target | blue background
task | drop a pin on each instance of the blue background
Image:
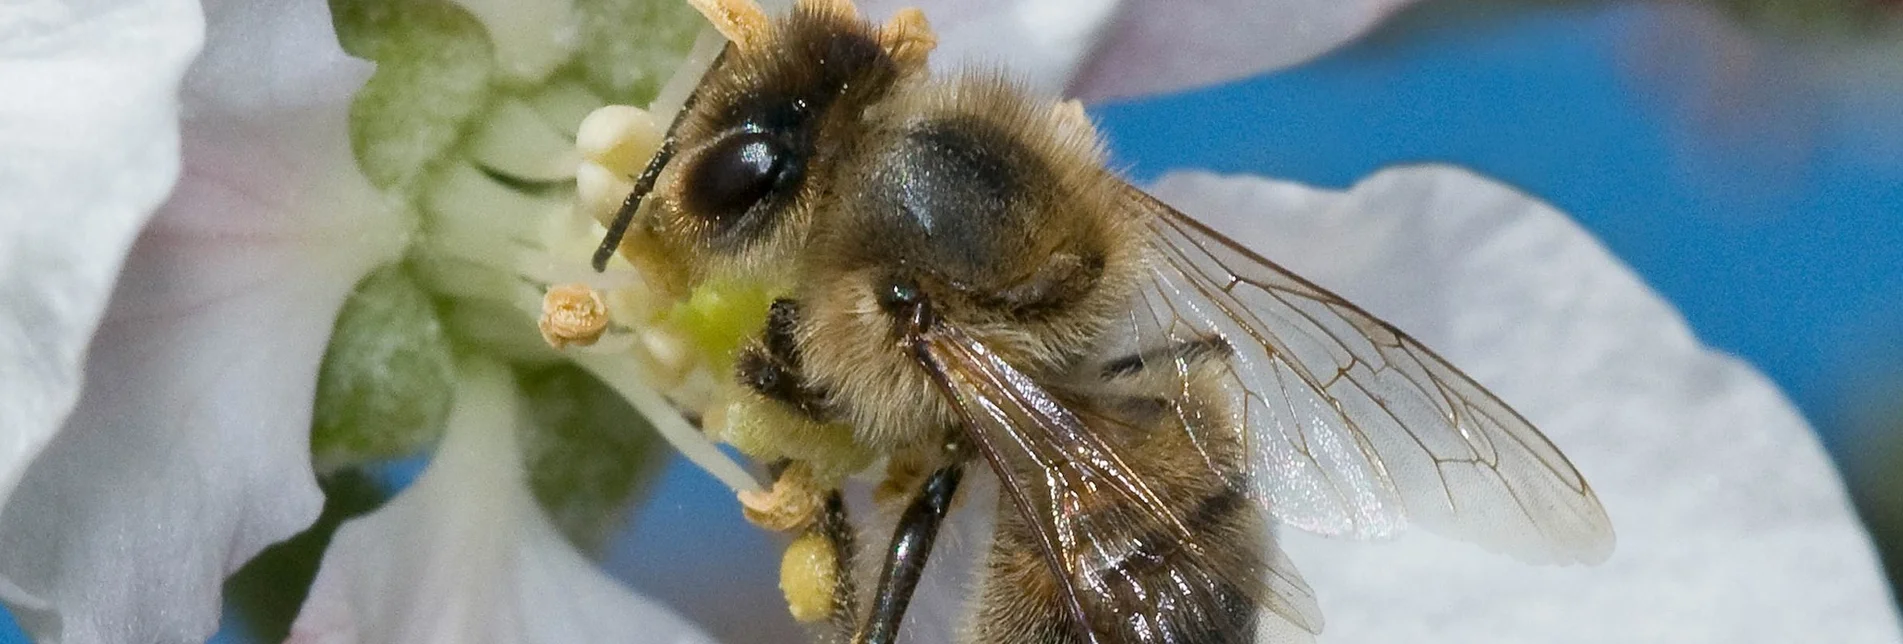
(1779, 236)
(1781, 242)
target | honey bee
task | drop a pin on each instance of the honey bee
(957, 278)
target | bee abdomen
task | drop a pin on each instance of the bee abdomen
(1163, 589)
(1149, 588)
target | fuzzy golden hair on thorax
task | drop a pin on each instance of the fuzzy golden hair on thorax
(1038, 281)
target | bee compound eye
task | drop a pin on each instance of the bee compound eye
(736, 173)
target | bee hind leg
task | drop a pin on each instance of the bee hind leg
(905, 558)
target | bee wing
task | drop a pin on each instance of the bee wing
(1092, 515)
(1353, 427)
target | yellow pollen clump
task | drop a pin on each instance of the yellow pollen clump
(808, 573)
(572, 314)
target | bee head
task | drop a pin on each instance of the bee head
(738, 175)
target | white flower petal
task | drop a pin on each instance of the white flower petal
(1042, 42)
(1752, 110)
(88, 147)
(1098, 49)
(465, 556)
(1733, 526)
(189, 448)
(266, 57)
(1164, 45)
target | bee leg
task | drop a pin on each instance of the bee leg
(1192, 352)
(816, 572)
(771, 366)
(905, 559)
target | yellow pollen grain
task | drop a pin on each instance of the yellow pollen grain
(572, 314)
(808, 574)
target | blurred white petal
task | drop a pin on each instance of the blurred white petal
(1752, 110)
(88, 147)
(1041, 42)
(1165, 45)
(465, 556)
(189, 449)
(1733, 526)
(531, 37)
(1098, 49)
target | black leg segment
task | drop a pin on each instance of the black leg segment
(905, 560)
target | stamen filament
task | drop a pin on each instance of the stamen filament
(623, 376)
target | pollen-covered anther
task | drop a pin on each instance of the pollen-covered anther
(572, 314)
(793, 504)
(909, 38)
(741, 21)
(620, 138)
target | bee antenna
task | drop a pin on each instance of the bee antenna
(643, 185)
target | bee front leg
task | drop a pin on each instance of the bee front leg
(771, 365)
(905, 558)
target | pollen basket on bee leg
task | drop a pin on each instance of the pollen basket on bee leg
(809, 571)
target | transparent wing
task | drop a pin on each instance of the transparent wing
(1130, 568)
(1353, 427)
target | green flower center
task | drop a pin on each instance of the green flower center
(470, 122)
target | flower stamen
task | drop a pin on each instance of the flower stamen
(794, 502)
(619, 137)
(572, 314)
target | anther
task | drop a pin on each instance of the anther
(794, 502)
(909, 39)
(740, 21)
(620, 138)
(599, 191)
(572, 314)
